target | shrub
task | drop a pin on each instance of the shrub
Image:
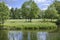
(58, 22)
(33, 26)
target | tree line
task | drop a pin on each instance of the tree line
(29, 10)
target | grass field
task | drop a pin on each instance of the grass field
(35, 24)
(33, 20)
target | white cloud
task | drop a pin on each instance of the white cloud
(38, 1)
(43, 3)
(46, 4)
(13, 0)
(44, 8)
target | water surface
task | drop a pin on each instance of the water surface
(29, 35)
(20, 35)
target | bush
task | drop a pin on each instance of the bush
(58, 22)
(33, 26)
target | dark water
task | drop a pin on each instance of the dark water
(23, 35)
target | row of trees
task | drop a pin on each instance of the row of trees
(29, 10)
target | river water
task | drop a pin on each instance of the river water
(28, 35)
(20, 35)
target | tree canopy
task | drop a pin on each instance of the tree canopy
(30, 10)
(4, 12)
(57, 5)
(51, 12)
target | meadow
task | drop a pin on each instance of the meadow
(36, 24)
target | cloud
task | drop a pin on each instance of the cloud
(38, 1)
(44, 8)
(13, 0)
(44, 3)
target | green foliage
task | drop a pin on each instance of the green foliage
(15, 13)
(57, 6)
(32, 25)
(51, 13)
(4, 12)
(12, 13)
(30, 10)
(58, 22)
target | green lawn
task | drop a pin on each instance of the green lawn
(35, 24)
(33, 20)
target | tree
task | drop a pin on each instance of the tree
(30, 10)
(17, 13)
(12, 13)
(4, 12)
(51, 12)
(57, 5)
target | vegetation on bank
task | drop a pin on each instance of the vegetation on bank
(29, 25)
(58, 22)
(29, 11)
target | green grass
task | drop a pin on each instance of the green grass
(35, 25)
(33, 20)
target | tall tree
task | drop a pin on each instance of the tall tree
(51, 12)
(17, 13)
(30, 10)
(57, 5)
(4, 12)
(12, 13)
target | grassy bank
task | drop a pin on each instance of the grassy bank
(33, 20)
(21, 25)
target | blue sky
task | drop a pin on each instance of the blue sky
(42, 4)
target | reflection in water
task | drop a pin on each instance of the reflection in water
(3, 35)
(25, 35)
(33, 35)
(41, 35)
(19, 35)
(29, 36)
(15, 35)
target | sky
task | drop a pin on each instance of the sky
(42, 4)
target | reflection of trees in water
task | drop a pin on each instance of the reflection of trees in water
(33, 35)
(53, 36)
(41, 35)
(3, 35)
(29, 36)
(15, 35)
(25, 35)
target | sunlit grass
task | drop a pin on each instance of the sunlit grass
(34, 24)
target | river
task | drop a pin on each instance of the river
(29, 35)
